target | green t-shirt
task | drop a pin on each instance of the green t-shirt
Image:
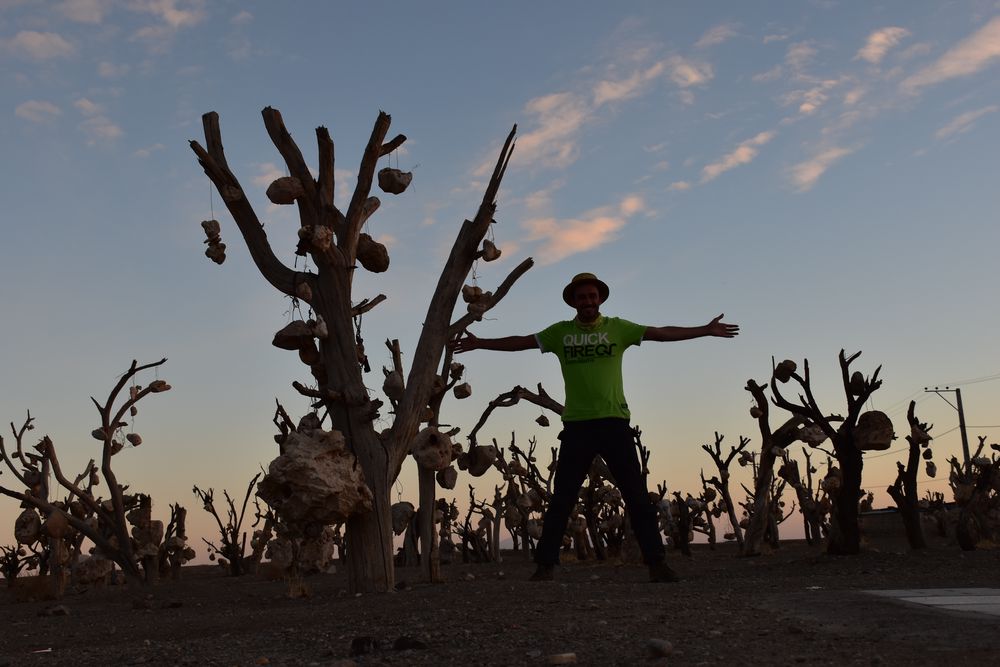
(591, 361)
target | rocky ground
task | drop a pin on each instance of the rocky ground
(793, 606)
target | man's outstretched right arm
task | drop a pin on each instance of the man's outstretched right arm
(469, 342)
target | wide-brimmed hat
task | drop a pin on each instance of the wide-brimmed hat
(584, 279)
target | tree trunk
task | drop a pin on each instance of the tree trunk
(904, 493)
(846, 539)
(731, 512)
(369, 546)
(761, 510)
(430, 565)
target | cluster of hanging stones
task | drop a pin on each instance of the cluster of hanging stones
(314, 482)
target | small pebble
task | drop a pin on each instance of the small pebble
(57, 610)
(659, 648)
(561, 659)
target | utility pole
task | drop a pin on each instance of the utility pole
(961, 416)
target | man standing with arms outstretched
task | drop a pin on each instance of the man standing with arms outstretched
(596, 415)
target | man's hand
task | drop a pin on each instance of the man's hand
(721, 329)
(463, 344)
(469, 342)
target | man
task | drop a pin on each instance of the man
(596, 415)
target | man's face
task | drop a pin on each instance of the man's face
(587, 301)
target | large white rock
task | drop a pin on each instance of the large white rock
(316, 480)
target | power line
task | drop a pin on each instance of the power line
(985, 378)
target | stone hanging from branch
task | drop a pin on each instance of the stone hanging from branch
(490, 251)
(293, 336)
(393, 385)
(857, 383)
(480, 305)
(479, 459)
(447, 478)
(471, 293)
(372, 255)
(874, 431)
(402, 512)
(216, 250)
(783, 371)
(285, 190)
(432, 449)
(394, 181)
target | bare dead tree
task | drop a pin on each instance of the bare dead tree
(903, 491)
(232, 538)
(809, 505)
(174, 551)
(62, 520)
(682, 537)
(772, 445)
(850, 440)
(974, 488)
(337, 245)
(528, 490)
(16, 559)
(721, 483)
(513, 397)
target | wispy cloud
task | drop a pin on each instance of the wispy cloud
(100, 130)
(37, 111)
(560, 239)
(238, 44)
(110, 70)
(804, 175)
(171, 16)
(616, 90)
(742, 154)
(33, 45)
(680, 186)
(86, 107)
(797, 56)
(686, 72)
(968, 57)
(717, 35)
(242, 18)
(557, 119)
(809, 100)
(538, 202)
(880, 42)
(964, 122)
(91, 12)
(148, 150)
(174, 13)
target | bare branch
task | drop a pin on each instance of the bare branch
(213, 161)
(463, 322)
(367, 304)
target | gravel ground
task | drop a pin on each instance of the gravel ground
(793, 606)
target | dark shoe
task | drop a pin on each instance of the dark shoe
(544, 573)
(661, 573)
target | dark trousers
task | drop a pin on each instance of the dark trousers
(613, 440)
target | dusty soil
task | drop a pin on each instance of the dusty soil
(794, 606)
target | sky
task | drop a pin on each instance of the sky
(824, 173)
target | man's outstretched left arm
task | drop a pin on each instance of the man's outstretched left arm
(716, 328)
